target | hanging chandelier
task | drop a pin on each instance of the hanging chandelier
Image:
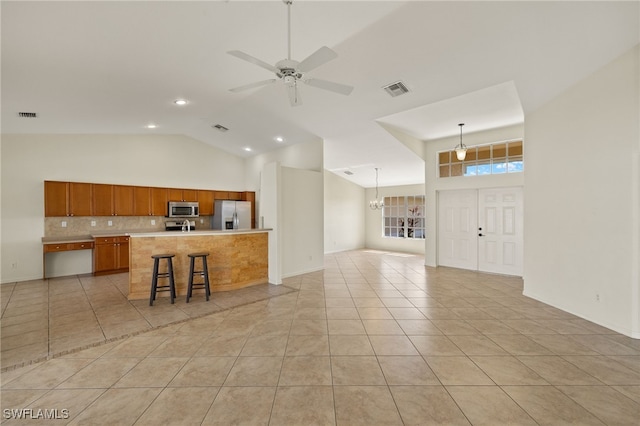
(461, 150)
(375, 204)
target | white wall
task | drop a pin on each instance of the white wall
(373, 221)
(302, 244)
(434, 183)
(279, 178)
(154, 160)
(344, 215)
(582, 188)
(270, 216)
(305, 155)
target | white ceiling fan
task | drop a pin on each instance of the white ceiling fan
(292, 72)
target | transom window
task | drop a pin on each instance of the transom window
(403, 217)
(492, 159)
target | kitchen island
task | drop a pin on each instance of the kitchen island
(237, 259)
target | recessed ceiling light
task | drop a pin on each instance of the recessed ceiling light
(279, 139)
(248, 149)
(180, 102)
(150, 126)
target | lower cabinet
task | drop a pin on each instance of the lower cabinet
(110, 255)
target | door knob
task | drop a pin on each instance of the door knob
(480, 235)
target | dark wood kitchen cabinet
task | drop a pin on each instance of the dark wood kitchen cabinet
(206, 200)
(99, 199)
(112, 200)
(159, 199)
(176, 194)
(79, 199)
(102, 200)
(141, 201)
(111, 255)
(56, 198)
(67, 199)
(123, 200)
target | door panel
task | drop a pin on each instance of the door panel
(500, 217)
(481, 230)
(457, 236)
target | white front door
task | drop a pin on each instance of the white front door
(457, 229)
(500, 230)
(481, 230)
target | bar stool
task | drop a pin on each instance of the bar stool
(171, 287)
(203, 273)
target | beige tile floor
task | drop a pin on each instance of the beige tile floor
(46, 318)
(375, 338)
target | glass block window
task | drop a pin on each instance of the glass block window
(403, 217)
(492, 159)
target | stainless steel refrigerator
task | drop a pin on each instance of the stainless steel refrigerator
(231, 215)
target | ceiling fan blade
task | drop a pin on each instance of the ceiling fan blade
(294, 95)
(252, 85)
(343, 89)
(317, 58)
(255, 61)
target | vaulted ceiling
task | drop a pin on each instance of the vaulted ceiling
(114, 67)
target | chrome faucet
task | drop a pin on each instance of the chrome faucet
(186, 226)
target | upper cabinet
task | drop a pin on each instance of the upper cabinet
(79, 199)
(123, 200)
(56, 198)
(112, 200)
(159, 199)
(67, 199)
(206, 200)
(141, 201)
(98, 199)
(102, 200)
(176, 194)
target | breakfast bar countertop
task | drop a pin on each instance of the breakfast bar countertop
(143, 233)
(198, 232)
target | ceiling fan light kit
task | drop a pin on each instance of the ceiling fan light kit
(291, 72)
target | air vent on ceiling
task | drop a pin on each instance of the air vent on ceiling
(28, 114)
(220, 127)
(396, 89)
(348, 172)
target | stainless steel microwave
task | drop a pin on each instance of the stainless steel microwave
(183, 209)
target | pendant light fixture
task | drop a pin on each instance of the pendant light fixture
(461, 150)
(375, 204)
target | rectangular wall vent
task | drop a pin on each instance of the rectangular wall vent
(220, 127)
(28, 114)
(396, 89)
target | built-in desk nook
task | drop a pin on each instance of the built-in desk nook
(238, 258)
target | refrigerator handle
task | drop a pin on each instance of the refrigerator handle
(235, 220)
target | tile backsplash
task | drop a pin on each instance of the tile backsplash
(82, 225)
